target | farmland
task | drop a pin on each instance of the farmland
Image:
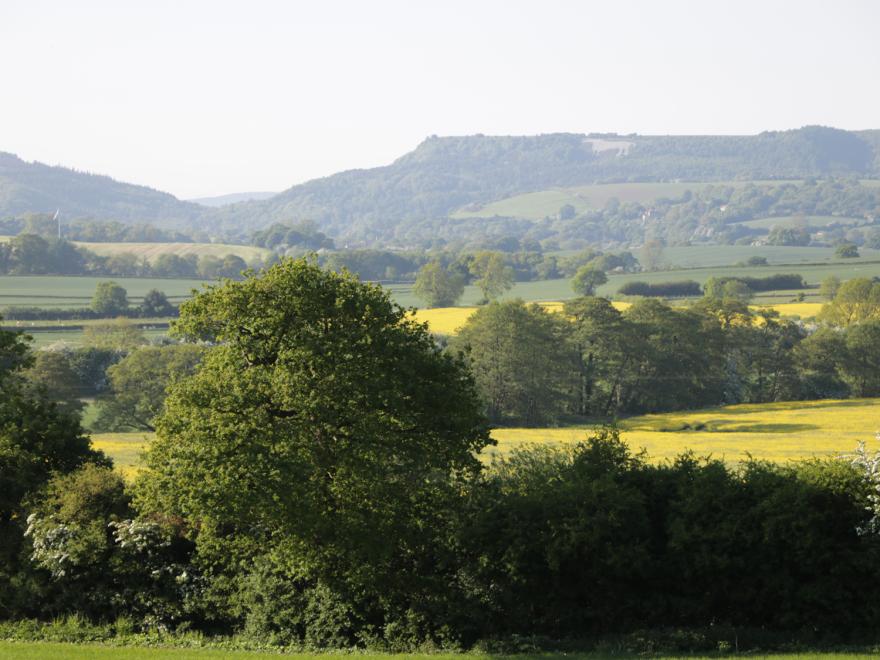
(447, 320)
(72, 292)
(543, 203)
(152, 251)
(769, 431)
(809, 221)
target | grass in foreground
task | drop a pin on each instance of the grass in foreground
(53, 651)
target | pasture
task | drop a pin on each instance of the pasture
(811, 222)
(785, 431)
(68, 292)
(152, 251)
(543, 203)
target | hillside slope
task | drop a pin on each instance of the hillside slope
(443, 174)
(412, 199)
(35, 187)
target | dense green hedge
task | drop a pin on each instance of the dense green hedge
(682, 289)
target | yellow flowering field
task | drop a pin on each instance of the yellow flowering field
(447, 320)
(124, 448)
(772, 431)
(804, 310)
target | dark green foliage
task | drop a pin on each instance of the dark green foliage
(587, 279)
(280, 236)
(138, 384)
(110, 299)
(437, 285)
(155, 304)
(38, 438)
(694, 542)
(846, 251)
(521, 360)
(103, 564)
(789, 236)
(323, 430)
(684, 289)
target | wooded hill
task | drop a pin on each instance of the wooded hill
(444, 174)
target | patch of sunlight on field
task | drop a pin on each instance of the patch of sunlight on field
(772, 431)
(152, 251)
(448, 320)
(803, 310)
(124, 448)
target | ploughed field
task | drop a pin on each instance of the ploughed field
(778, 432)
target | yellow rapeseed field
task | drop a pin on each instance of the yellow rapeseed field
(124, 448)
(770, 431)
(447, 320)
(803, 310)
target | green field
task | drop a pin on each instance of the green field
(695, 256)
(698, 263)
(542, 203)
(68, 292)
(809, 221)
(152, 250)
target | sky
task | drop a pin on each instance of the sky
(207, 97)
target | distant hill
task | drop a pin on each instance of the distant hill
(426, 194)
(35, 187)
(444, 174)
(232, 198)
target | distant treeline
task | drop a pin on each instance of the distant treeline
(527, 266)
(27, 313)
(683, 289)
(691, 289)
(536, 368)
(29, 254)
(95, 231)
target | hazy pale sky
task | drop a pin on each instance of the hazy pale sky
(209, 97)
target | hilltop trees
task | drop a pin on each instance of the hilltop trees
(437, 286)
